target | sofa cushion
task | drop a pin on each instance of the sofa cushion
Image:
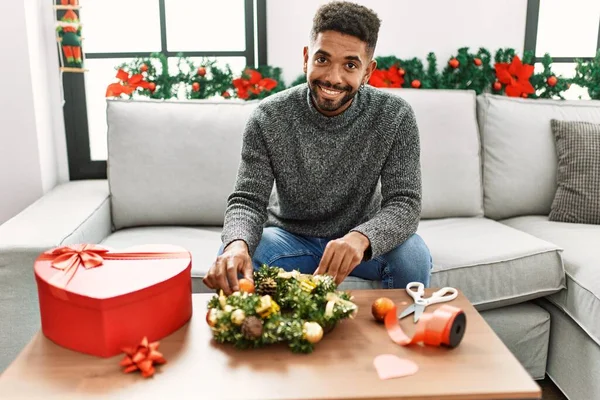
(577, 198)
(519, 154)
(173, 163)
(203, 243)
(450, 159)
(581, 256)
(494, 265)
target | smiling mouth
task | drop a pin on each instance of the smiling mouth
(330, 93)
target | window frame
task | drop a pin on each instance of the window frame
(531, 32)
(81, 165)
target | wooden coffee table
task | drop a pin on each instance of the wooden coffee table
(341, 367)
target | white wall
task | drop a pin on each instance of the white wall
(32, 150)
(410, 28)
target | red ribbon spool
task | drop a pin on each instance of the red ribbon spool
(443, 327)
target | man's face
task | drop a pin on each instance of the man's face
(336, 65)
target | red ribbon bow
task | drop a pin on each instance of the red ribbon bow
(142, 357)
(127, 84)
(69, 258)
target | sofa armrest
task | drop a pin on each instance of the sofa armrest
(74, 212)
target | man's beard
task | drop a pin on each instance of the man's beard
(328, 104)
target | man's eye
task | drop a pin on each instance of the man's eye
(321, 60)
(351, 65)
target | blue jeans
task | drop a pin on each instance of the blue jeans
(409, 262)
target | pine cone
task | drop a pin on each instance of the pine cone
(267, 286)
(252, 328)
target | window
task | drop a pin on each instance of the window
(231, 31)
(565, 30)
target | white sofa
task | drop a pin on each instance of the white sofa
(489, 172)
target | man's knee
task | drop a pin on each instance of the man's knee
(413, 258)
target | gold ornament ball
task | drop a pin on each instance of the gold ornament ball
(211, 317)
(238, 316)
(381, 307)
(312, 332)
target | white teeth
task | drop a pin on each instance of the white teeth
(331, 92)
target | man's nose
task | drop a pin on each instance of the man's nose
(334, 75)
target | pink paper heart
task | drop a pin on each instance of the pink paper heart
(389, 366)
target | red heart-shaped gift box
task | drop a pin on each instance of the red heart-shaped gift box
(97, 301)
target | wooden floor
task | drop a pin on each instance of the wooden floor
(550, 391)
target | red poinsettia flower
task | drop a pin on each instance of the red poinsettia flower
(127, 84)
(254, 84)
(516, 77)
(390, 78)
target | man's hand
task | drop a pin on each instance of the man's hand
(223, 274)
(342, 255)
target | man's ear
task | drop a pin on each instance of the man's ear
(305, 67)
(370, 68)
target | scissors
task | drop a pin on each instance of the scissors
(441, 296)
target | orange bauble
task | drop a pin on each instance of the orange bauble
(477, 61)
(195, 86)
(143, 68)
(416, 84)
(454, 63)
(381, 307)
(152, 86)
(246, 285)
(497, 86)
(201, 71)
(552, 81)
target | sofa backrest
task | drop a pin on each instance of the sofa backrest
(173, 163)
(450, 151)
(519, 152)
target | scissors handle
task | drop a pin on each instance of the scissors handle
(442, 295)
(417, 295)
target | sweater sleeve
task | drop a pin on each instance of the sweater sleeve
(400, 211)
(246, 210)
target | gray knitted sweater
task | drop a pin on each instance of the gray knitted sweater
(321, 176)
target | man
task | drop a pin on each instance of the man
(329, 180)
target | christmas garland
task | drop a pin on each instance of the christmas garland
(287, 307)
(503, 74)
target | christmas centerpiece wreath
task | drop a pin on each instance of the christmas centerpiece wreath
(285, 307)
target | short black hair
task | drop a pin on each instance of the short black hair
(349, 19)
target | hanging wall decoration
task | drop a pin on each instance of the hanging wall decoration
(68, 35)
